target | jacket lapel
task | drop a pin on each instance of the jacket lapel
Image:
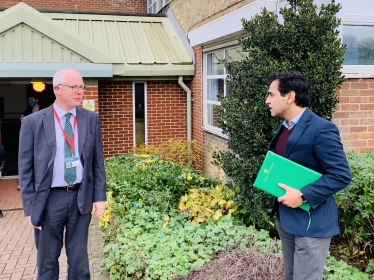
(297, 132)
(50, 134)
(81, 123)
(273, 141)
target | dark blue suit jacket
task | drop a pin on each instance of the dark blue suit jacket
(315, 143)
(37, 150)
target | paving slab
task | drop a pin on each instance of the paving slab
(17, 248)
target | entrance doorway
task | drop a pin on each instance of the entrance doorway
(13, 102)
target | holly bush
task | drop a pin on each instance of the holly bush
(306, 41)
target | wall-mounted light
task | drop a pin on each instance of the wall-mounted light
(38, 86)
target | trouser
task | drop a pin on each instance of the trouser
(304, 257)
(61, 213)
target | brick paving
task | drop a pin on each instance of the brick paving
(17, 248)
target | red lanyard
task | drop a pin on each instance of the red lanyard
(70, 143)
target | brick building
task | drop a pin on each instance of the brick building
(136, 68)
(152, 67)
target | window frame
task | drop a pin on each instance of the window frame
(356, 71)
(206, 126)
(154, 6)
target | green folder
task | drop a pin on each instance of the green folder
(277, 169)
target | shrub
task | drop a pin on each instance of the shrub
(176, 150)
(308, 42)
(205, 204)
(152, 180)
(356, 204)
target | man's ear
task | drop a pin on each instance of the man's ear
(291, 96)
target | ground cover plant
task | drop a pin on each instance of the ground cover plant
(146, 236)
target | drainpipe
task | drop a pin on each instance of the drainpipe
(189, 123)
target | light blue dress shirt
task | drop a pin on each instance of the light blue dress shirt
(293, 122)
(59, 161)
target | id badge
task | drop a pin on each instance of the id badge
(72, 162)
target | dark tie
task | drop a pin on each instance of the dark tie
(70, 173)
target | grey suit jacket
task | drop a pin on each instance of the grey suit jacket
(37, 150)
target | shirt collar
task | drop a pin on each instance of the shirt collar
(293, 122)
(61, 112)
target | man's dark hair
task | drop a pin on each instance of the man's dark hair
(289, 81)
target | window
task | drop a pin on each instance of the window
(154, 6)
(140, 116)
(360, 44)
(214, 83)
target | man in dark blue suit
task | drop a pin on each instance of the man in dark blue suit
(62, 177)
(313, 142)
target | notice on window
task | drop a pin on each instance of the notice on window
(89, 105)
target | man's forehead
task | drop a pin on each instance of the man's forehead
(73, 75)
(274, 85)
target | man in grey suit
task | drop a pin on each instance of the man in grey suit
(62, 177)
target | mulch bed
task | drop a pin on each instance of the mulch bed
(239, 264)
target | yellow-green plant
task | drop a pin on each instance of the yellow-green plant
(176, 150)
(205, 204)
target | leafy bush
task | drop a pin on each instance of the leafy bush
(308, 42)
(152, 180)
(356, 204)
(205, 204)
(176, 150)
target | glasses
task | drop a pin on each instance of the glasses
(75, 88)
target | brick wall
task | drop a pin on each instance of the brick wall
(355, 115)
(116, 117)
(192, 14)
(167, 111)
(197, 104)
(92, 92)
(120, 6)
(213, 143)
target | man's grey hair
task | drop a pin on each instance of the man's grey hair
(59, 77)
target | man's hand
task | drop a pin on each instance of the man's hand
(99, 208)
(29, 219)
(292, 197)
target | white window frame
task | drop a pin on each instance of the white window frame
(154, 6)
(359, 18)
(145, 112)
(207, 127)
